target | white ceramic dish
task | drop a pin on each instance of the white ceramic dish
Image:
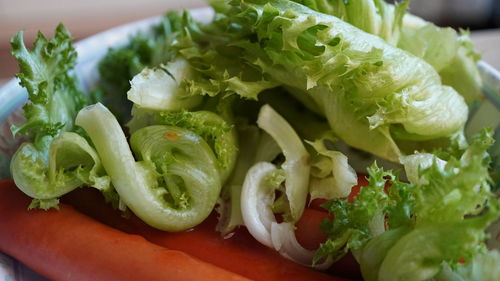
(92, 49)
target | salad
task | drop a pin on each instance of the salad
(273, 106)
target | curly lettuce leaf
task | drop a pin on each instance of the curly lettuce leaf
(351, 75)
(451, 53)
(439, 217)
(447, 241)
(55, 160)
(356, 223)
(200, 63)
(215, 130)
(72, 163)
(53, 93)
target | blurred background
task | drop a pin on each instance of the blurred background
(84, 18)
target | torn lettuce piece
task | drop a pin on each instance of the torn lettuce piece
(447, 241)
(159, 88)
(371, 256)
(462, 73)
(331, 175)
(149, 48)
(457, 189)
(450, 52)
(363, 85)
(416, 162)
(53, 93)
(175, 183)
(257, 205)
(355, 223)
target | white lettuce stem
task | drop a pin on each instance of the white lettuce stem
(296, 166)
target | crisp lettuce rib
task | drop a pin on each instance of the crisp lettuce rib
(174, 185)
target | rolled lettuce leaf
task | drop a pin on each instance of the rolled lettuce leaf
(174, 185)
(219, 134)
(363, 85)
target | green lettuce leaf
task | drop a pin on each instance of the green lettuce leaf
(363, 85)
(55, 160)
(451, 53)
(439, 217)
